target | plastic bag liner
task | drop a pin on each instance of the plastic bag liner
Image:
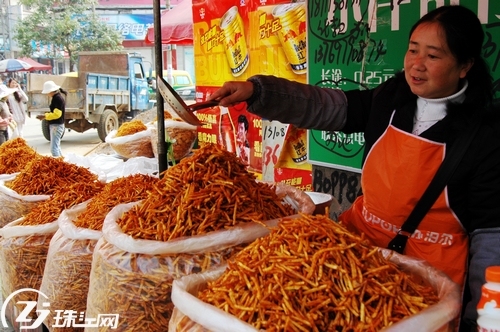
(142, 165)
(112, 167)
(182, 135)
(12, 205)
(23, 252)
(191, 314)
(66, 276)
(130, 146)
(133, 277)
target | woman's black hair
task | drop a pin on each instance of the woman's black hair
(16, 94)
(64, 92)
(465, 36)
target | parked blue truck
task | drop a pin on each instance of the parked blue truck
(111, 88)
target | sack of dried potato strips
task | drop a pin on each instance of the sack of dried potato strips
(181, 136)
(133, 277)
(65, 280)
(311, 274)
(36, 182)
(14, 205)
(133, 144)
(202, 211)
(24, 243)
(23, 250)
(66, 276)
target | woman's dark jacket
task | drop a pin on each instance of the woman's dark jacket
(59, 103)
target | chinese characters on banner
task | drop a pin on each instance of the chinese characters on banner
(234, 40)
(130, 26)
(361, 44)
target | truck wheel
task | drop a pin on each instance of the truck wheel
(46, 130)
(107, 123)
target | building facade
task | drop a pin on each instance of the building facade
(131, 18)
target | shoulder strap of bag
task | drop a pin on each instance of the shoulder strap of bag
(437, 185)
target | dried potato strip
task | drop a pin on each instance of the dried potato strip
(66, 279)
(45, 175)
(131, 127)
(22, 265)
(357, 289)
(138, 286)
(126, 189)
(49, 210)
(15, 159)
(208, 191)
(15, 143)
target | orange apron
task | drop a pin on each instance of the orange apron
(396, 173)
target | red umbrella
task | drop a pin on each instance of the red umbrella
(35, 64)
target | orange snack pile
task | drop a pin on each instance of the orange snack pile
(208, 191)
(131, 127)
(311, 274)
(45, 175)
(49, 210)
(126, 189)
(15, 154)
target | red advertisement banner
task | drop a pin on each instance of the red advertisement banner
(236, 39)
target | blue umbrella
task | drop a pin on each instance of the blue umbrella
(11, 65)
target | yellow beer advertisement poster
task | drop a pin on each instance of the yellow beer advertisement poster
(234, 40)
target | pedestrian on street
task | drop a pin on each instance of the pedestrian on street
(5, 115)
(17, 102)
(55, 117)
(411, 123)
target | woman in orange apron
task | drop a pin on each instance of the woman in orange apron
(410, 122)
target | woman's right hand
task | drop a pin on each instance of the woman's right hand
(232, 92)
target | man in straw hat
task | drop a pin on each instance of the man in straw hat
(5, 115)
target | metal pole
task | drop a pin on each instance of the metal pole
(162, 145)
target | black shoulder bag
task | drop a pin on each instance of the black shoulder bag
(437, 185)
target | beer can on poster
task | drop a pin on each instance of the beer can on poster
(231, 25)
(297, 144)
(292, 34)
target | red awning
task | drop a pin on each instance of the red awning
(176, 25)
(36, 65)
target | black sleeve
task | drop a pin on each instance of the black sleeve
(303, 105)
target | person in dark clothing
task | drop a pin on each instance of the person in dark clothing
(410, 123)
(55, 117)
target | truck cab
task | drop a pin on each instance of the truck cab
(139, 98)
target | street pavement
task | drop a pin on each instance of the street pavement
(72, 142)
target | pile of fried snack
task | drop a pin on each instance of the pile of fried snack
(311, 274)
(308, 274)
(208, 192)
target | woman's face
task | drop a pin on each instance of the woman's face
(13, 84)
(431, 70)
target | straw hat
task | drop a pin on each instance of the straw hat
(5, 91)
(50, 86)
